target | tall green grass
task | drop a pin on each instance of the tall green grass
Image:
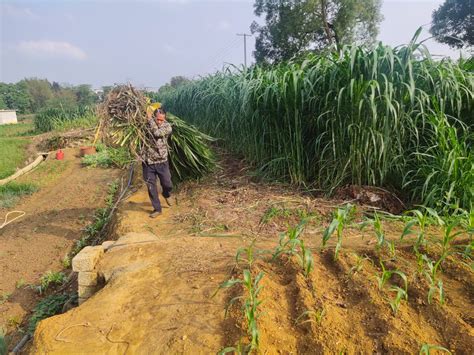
(60, 118)
(392, 117)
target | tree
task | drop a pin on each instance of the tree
(452, 23)
(40, 91)
(177, 81)
(85, 95)
(15, 97)
(294, 27)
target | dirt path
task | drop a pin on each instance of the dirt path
(55, 217)
(161, 273)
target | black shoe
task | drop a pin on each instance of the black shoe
(155, 214)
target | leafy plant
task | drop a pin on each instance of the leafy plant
(431, 274)
(358, 265)
(250, 305)
(426, 349)
(387, 274)
(396, 301)
(341, 217)
(48, 279)
(3, 343)
(47, 307)
(315, 316)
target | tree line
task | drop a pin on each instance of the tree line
(33, 94)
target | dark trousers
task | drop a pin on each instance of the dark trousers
(150, 173)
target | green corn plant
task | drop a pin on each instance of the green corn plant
(290, 244)
(426, 349)
(399, 296)
(250, 305)
(341, 217)
(247, 255)
(289, 241)
(387, 274)
(313, 316)
(431, 275)
(358, 265)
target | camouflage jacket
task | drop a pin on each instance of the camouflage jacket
(158, 134)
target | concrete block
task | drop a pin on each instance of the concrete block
(87, 278)
(108, 244)
(85, 291)
(87, 258)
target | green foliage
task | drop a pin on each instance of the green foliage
(108, 157)
(452, 23)
(15, 97)
(296, 27)
(384, 116)
(11, 192)
(47, 307)
(3, 343)
(12, 156)
(51, 118)
(426, 349)
(48, 279)
(341, 218)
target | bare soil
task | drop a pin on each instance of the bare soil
(161, 278)
(55, 217)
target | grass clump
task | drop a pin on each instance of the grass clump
(48, 279)
(10, 193)
(380, 116)
(108, 157)
(62, 118)
(13, 154)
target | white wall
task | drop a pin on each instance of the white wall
(7, 117)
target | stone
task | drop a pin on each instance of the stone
(108, 244)
(87, 258)
(87, 278)
(81, 300)
(85, 291)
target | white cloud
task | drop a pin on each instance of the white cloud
(9, 10)
(54, 49)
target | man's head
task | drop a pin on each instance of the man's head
(160, 114)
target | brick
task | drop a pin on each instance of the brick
(87, 258)
(87, 278)
(108, 244)
(85, 291)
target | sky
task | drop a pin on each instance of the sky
(146, 42)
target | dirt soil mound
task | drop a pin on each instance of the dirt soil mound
(160, 276)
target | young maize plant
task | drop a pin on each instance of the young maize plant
(426, 349)
(359, 264)
(395, 302)
(248, 254)
(290, 244)
(341, 218)
(431, 275)
(387, 274)
(314, 316)
(250, 308)
(421, 220)
(380, 234)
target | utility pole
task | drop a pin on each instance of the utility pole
(245, 46)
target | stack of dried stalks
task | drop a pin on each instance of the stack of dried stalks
(123, 122)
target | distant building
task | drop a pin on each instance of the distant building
(7, 117)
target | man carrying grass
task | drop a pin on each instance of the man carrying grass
(155, 159)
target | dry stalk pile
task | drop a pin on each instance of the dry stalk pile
(123, 123)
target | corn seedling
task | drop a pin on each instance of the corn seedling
(431, 275)
(426, 349)
(290, 244)
(314, 316)
(358, 265)
(3, 342)
(340, 220)
(395, 302)
(387, 274)
(250, 303)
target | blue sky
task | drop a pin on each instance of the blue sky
(104, 42)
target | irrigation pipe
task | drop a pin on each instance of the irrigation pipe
(6, 221)
(26, 169)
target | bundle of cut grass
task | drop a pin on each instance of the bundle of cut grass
(123, 122)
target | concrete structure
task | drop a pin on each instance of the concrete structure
(7, 117)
